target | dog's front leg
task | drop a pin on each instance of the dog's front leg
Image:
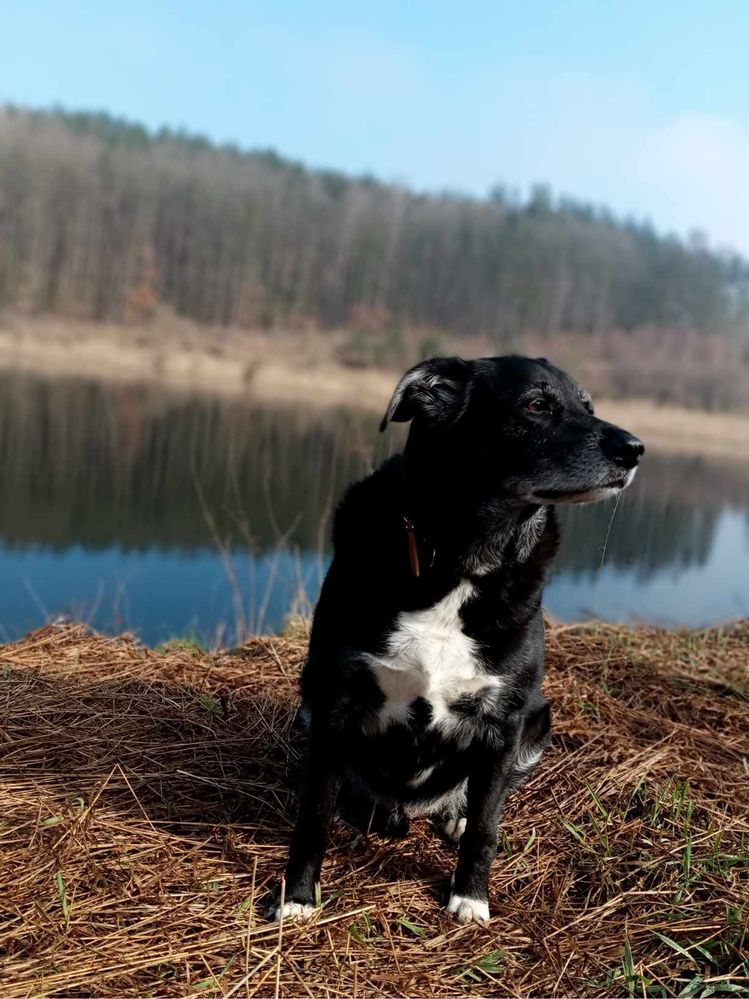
(487, 788)
(317, 802)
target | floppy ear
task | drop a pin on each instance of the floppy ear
(436, 390)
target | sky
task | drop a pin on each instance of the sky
(639, 105)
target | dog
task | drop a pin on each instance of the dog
(421, 694)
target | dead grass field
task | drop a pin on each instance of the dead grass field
(146, 810)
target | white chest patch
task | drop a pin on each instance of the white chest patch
(430, 656)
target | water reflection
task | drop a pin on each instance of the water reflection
(144, 509)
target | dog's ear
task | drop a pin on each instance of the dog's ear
(435, 390)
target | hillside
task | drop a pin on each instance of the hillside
(101, 219)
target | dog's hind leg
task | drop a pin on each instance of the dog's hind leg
(451, 820)
(391, 822)
(454, 827)
(358, 807)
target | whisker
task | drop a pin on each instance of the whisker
(608, 531)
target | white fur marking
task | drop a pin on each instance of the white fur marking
(450, 801)
(594, 495)
(468, 910)
(421, 777)
(430, 656)
(454, 828)
(294, 912)
(488, 553)
(529, 534)
(528, 757)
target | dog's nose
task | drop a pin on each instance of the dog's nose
(623, 448)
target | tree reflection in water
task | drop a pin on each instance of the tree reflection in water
(129, 471)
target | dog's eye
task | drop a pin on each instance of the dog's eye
(538, 406)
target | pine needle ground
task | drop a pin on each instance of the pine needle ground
(147, 800)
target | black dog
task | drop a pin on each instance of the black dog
(422, 691)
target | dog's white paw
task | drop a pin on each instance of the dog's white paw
(454, 829)
(468, 910)
(294, 912)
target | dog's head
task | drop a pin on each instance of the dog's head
(513, 426)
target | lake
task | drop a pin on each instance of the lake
(174, 515)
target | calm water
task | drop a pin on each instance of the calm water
(174, 515)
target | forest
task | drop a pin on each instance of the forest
(102, 219)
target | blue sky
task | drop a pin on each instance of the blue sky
(639, 105)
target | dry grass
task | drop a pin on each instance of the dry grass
(146, 803)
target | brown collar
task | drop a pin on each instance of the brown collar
(413, 548)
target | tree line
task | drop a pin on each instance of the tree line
(104, 220)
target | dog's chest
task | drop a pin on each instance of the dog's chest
(429, 658)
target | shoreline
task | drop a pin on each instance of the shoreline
(296, 368)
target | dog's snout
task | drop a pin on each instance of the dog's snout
(622, 447)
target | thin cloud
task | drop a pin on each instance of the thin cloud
(701, 164)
